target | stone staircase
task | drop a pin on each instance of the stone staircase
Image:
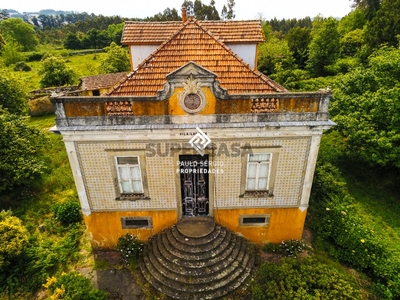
(196, 259)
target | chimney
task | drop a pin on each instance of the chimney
(184, 16)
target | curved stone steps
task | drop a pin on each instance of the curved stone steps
(190, 267)
(201, 260)
(189, 290)
(200, 275)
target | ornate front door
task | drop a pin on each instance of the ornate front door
(194, 185)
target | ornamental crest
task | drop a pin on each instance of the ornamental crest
(191, 86)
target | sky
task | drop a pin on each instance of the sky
(244, 9)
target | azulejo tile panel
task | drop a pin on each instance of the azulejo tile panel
(99, 175)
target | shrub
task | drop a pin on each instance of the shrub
(344, 234)
(306, 278)
(68, 212)
(290, 248)
(13, 237)
(22, 66)
(34, 56)
(55, 72)
(73, 286)
(129, 247)
(11, 53)
(21, 163)
(13, 95)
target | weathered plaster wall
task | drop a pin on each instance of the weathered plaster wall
(285, 223)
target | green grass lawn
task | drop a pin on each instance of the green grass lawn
(83, 65)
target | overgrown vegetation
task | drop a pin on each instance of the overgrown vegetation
(305, 278)
(51, 247)
(129, 247)
(20, 148)
(347, 236)
(67, 213)
(290, 248)
(13, 237)
(72, 286)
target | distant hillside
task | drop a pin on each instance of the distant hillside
(40, 12)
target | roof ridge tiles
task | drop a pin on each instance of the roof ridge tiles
(184, 42)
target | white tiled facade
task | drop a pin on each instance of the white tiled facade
(97, 171)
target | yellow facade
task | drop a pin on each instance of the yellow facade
(176, 109)
(105, 227)
(285, 223)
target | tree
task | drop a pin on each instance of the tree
(55, 72)
(370, 7)
(298, 40)
(274, 53)
(167, 15)
(352, 42)
(12, 95)
(4, 14)
(18, 30)
(230, 13)
(11, 53)
(20, 148)
(117, 60)
(366, 108)
(354, 20)
(324, 46)
(13, 237)
(72, 41)
(95, 39)
(114, 31)
(384, 27)
(201, 11)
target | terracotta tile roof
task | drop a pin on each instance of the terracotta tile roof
(194, 43)
(225, 31)
(96, 82)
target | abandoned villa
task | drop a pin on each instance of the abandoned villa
(193, 131)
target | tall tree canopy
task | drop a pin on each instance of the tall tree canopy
(324, 46)
(366, 108)
(117, 60)
(201, 11)
(298, 40)
(20, 146)
(370, 7)
(18, 30)
(384, 27)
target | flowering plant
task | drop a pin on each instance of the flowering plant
(289, 248)
(129, 246)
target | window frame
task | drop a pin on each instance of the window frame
(128, 166)
(273, 161)
(113, 154)
(258, 165)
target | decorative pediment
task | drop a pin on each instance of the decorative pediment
(191, 68)
(189, 76)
